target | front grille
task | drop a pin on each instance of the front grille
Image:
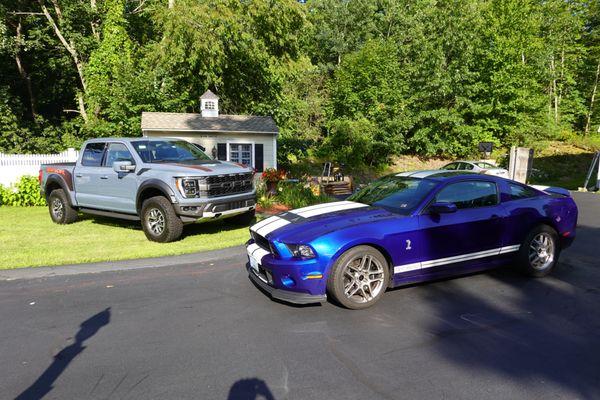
(223, 185)
(261, 241)
(232, 205)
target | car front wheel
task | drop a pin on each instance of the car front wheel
(159, 220)
(539, 252)
(359, 277)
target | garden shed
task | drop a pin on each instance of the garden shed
(246, 139)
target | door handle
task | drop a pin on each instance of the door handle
(104, 177)
(78, 176)
(494, 216)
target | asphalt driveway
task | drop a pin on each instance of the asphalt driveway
(203, 331)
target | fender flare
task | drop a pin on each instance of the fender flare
(60, 181)
(156, 184)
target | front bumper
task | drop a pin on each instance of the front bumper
(190, 211)
(290, 280)
(285, 295)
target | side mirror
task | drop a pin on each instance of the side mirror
(442, 207)
(123, 166)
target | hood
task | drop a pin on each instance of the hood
(204, 169)
(304, 224)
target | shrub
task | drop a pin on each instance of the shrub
(296, 195)
(263, 198)
(24, 193)
(273, 175)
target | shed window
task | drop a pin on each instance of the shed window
(240, 153)
(209, 105)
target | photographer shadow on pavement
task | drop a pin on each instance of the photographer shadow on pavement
(44, 384)
(250, 389)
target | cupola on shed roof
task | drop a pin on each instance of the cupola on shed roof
(209, 105)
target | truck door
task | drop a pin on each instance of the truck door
(88, 185)
(120, 188)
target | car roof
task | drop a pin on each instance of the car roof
(441, 175)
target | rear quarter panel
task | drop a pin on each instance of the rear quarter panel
(58, 174)
(524, 214)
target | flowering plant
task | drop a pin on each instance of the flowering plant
(273, 175)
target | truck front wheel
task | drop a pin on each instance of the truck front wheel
(61, 211)
(159, 220)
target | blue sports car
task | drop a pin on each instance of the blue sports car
(406, 228)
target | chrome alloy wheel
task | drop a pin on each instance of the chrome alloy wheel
(363, 278)
(541, 251)
(156, 221)
(58, 209)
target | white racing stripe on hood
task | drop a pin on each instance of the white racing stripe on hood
(278, 223)
(273, 223)
(316, 206)
(263, 223)
(329, 208)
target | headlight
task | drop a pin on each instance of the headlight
(188, 187)
(301, 250)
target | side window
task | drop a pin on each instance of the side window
(92, 155)
(517, 192)
(469, 194)
(451, 166)
(117, 152)
(466, 166)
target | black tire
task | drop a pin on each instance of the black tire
(530, 260)
(60, 209)
(159, 220)
(339, 280)
(244, 219)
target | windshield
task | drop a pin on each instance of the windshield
(398, 194)
(177, 151)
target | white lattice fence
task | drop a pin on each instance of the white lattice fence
(13, 166)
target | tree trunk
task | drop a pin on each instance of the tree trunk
(23, 72)
(553, 91)
(93, 23)
(593, 98)
(72, 51)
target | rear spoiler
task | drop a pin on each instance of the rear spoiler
(552, 190)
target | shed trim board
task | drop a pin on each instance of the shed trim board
(275, 156)
(157, 130)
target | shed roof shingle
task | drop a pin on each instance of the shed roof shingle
(159, 121)
(208, 95)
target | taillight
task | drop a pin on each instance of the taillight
(40, 176)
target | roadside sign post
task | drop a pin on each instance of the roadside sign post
(485, 148)
(520, 164)
(595, 166)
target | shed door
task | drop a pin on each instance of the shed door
(258, 157)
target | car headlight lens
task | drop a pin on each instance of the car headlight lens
(188, 187)
(301, 250)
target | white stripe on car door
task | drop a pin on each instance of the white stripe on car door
(455, 259)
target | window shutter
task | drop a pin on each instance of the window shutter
(222, 151)
(258, 157)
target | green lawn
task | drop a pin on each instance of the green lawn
(28, 238)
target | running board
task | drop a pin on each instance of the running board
(112, 214)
